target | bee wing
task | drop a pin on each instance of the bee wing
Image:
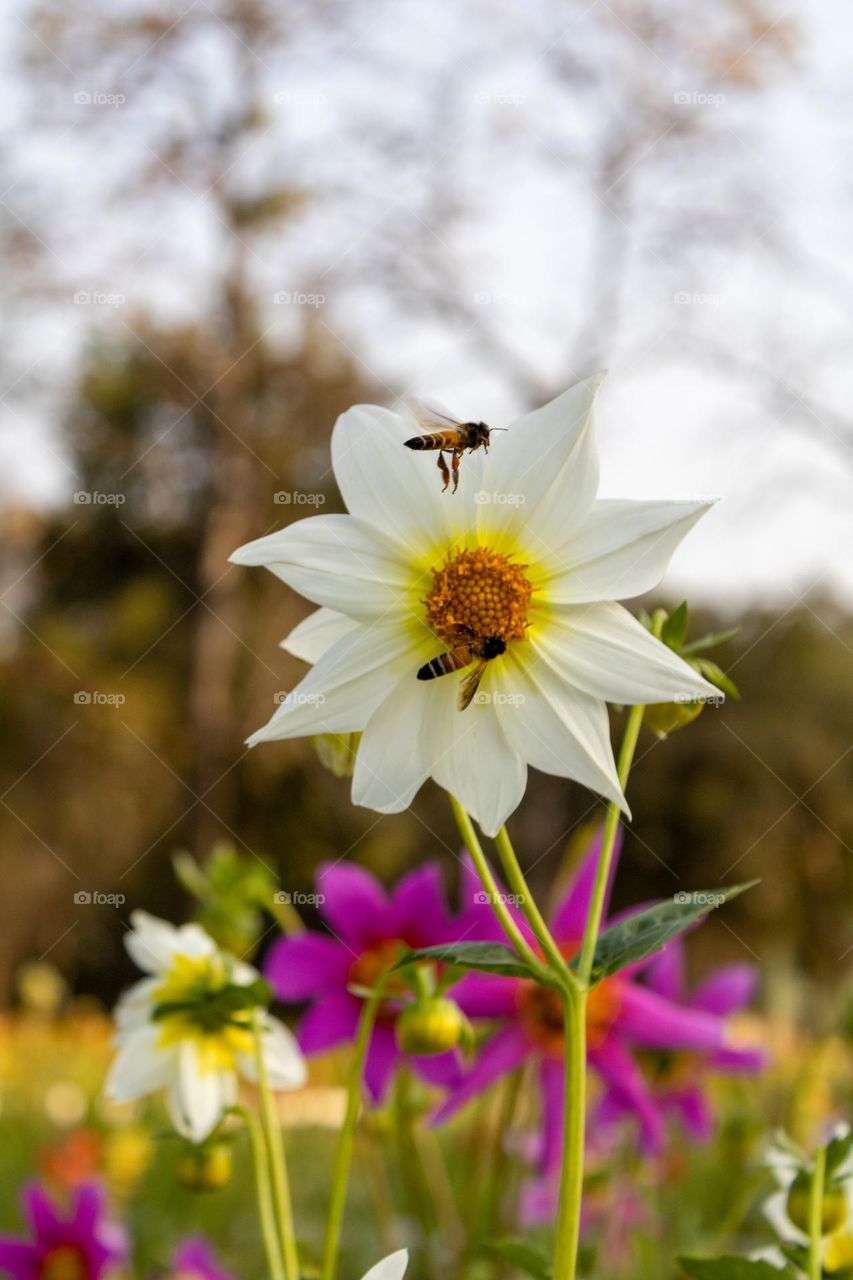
(431, 415)
(470, 685)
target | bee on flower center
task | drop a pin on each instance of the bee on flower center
(478, 604)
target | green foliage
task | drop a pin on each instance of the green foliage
(487, 957)
(730, 1267)
(523, 1256)
(232, 892)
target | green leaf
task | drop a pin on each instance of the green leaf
(523, 1256)
(648, 931)
(709, 641)
(837, 1154)
(730, 1267)
(712, 672)
(487, 957)
(674, 630)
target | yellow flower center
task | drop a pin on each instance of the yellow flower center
(66, 1262)
(193, 982)
(481, 591)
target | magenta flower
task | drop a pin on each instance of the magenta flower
(370, 929)
(194, 1259)
(79, 1245)
(677, 1078)
(622, 1016)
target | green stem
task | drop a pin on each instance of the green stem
(262, 1182)
(278, 1166)
(490, 885)
(343, 1154)
(574, 1122)
(608, 842)
(816, 1214)
(519, 886)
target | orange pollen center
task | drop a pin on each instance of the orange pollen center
(66, 1262)
(541, 1012)
(482, 591)
(370, 966)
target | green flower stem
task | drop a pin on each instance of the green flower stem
(264, 1190)
(278, 1166)
(608, 842)
(574, 1124)
(518, 885)
(816, 1215)
(504, 915)
(343, 1154)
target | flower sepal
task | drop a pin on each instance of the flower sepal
(433, 1025)
(663, 718)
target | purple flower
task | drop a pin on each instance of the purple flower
(79, 1245)
(194, 1259)
(677, 1078)
(370, 929)
(623, 1016)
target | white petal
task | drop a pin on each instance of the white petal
(541, 478)
(606, 652)
(622, 550)
(396, 490)
(340, 562)
(556, 728)
(391, 1268)
(153, 944)
(133, 1008)
(197, 1099)
(341, 692)
(391, 764)
(285, 1063)
(471, 758)
(139, 1066)
(314, 636)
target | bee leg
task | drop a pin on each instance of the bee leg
(456, 460)
(445, 471)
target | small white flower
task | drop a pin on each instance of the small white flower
(180, 1031)
(525, 551)
(391, 1268)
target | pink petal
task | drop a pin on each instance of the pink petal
(502, 1054)
(486, 995)
(553, 1089)
(331, 1021)
(624, 1078)
(443, 1070)
(382, 1057)
(665, 973)
(695, 1111)
(569, 919)
(748, 1061)
(307, 965)
(40, 1212)
(648, 1019)
(727, 990)
(356, 906)
(419, 906)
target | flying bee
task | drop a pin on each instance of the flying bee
(471, 648)
(446, 434)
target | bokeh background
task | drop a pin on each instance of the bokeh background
(222, 223)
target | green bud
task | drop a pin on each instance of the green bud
(206, 1167)
(432, 1025)
(834, 1210)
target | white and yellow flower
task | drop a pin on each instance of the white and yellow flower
(187, 1028)
(524, 550)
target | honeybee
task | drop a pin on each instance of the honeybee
(471, 648)
(447, 435)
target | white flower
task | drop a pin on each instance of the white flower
(391, 1268)
(187, 1028)
(394, 578)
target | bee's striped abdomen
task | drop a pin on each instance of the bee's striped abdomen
(454, 660)
(435, 440)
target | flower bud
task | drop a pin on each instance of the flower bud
(430, 1026)
(664, 718)
(834, 1210)
(337, 751)
(206, 1167)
